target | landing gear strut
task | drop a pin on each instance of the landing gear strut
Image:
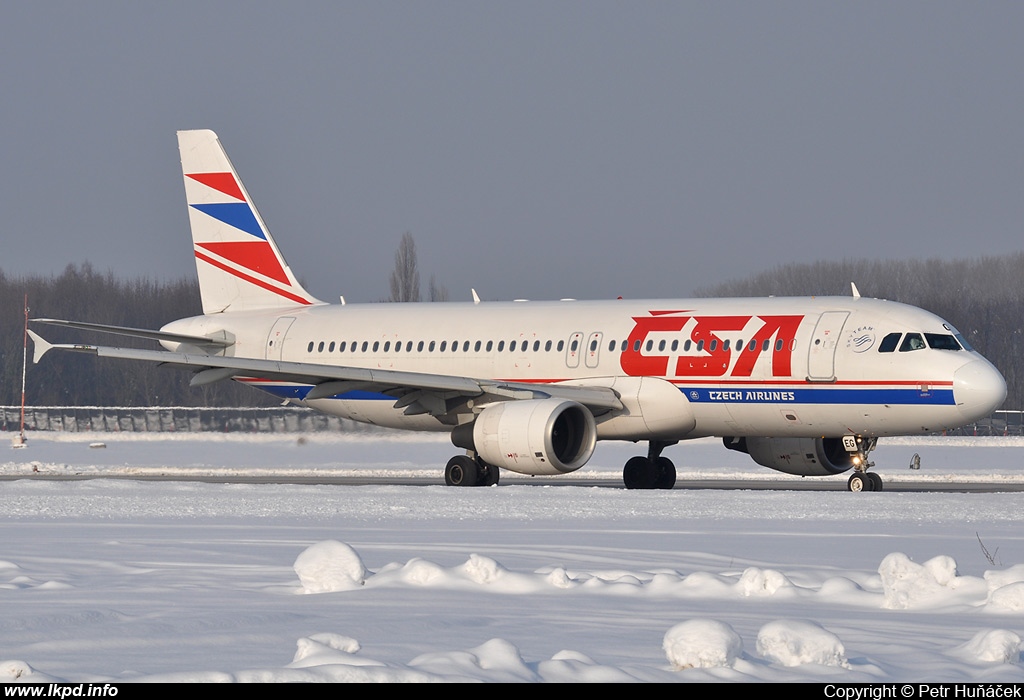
(862, 479)
(464, 470)
(652, 471)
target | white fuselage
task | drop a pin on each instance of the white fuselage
(781, 367)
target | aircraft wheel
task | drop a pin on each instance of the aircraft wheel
(461, 471)
(639, 473)
(489, 474)
(666, 477)
(859, 482)
(876, 481)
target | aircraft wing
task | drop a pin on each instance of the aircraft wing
(417, 392)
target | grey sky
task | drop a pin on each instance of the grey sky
(540, 150)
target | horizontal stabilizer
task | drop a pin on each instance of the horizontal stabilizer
(197, 340)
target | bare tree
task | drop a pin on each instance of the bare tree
(438, 292)
(405, 279)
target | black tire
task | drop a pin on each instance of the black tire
(876, 481)
(639, 473)
(489, 474)
(859, 482)
(666, 478)
(461, 471)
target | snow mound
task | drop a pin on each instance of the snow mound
(907, 584)
(799, 642)
(1004, 577)
(14, 670)
(483, 570)
(762, 582)
(1010, 597)
(329, 566)
(500, 660)
(991, 647)
(702, 644)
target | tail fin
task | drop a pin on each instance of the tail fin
(239, 265)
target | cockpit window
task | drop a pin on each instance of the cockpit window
(890, 342)
(941, 341)
(912, 341)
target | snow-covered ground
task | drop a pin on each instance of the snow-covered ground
(141, 580)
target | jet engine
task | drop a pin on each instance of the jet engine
(539, 436)
(800, 456)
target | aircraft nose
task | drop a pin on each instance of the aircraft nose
(978, 389)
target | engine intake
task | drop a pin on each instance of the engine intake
(542, 436)
(800, 456)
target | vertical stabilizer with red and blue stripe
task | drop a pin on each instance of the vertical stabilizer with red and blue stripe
(239, 265)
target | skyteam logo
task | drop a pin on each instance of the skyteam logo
(861, 339)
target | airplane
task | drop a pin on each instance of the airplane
(805, 386)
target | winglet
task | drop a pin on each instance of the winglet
(856, 292)
(476, 297)
(39, 346)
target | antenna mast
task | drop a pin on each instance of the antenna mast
(20, 440)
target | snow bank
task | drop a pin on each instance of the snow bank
(799, 642)
(991, 647)
(907, 584)
(329, 566)
(702, 644)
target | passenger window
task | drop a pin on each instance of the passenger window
(890, 342)
(913, 341)
(387, 345)
(476, 347)
(419, 346)
(512, 346)
(320, 347)
(501, 345)
(490, 344)
(309, 348)
(341, 346)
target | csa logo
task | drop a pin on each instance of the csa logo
(861, 339)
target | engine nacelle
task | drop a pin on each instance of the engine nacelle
(542, 436)
(800, 456)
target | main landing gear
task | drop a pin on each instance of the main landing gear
(652, 471)
(464, 470)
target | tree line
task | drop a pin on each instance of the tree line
(983, 298)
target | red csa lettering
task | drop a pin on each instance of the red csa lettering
(779, 327)
(716, 362)
(637, 365)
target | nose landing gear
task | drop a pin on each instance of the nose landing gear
(652, 471)
(862, 479)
